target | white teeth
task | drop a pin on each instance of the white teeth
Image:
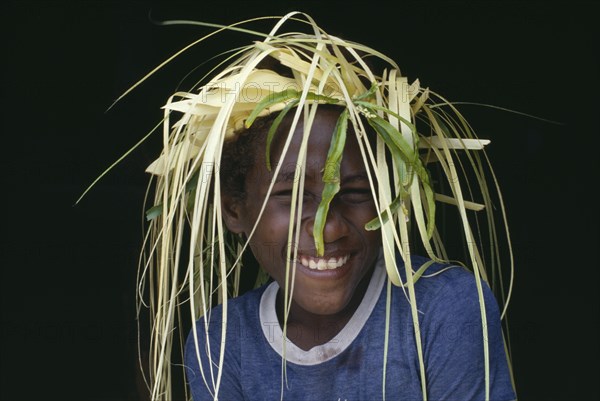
(323, 264)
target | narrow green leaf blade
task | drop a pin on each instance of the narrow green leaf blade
(331, 177)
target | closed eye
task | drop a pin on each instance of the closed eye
(355, 195)
(285, 195)
(348, 195)
(282, 195)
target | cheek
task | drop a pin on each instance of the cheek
(360, 215)
(270, 237)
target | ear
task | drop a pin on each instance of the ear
(232, 212)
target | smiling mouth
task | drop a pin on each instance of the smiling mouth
(323, 263)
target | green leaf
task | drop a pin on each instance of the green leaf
(368, 94)
(154, 212)
(281, 97)
(277, 97)
(190, 188)
(394, 139)
(373, 107)
(421, 270)
(401, 149)
(375, 224)
(331, 177)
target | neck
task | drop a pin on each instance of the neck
(307, 330)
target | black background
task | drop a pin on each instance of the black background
(68, 272)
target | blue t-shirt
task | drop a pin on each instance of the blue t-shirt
(350, 366)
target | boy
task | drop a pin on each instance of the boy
(299, 151)
(336, 320)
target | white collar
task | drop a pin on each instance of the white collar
(320, 353)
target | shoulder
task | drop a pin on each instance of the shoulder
(435, 276)
(238, 317)
(239, 312)
(239, 306)
(447, 288)
(460, 327)
(204, 344)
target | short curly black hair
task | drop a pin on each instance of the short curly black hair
(239, 154)
(239, 157)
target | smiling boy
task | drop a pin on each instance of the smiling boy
(323, 174)
(336, 321)
(327, 289)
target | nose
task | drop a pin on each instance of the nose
(336, 226)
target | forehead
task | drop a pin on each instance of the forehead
(319, 142)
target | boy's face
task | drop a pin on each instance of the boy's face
(330, 284)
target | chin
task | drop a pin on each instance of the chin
(328, 307)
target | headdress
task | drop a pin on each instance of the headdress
(193, 261)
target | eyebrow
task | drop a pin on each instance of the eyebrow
(287, 176)
(359, 176)
(290, 176)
